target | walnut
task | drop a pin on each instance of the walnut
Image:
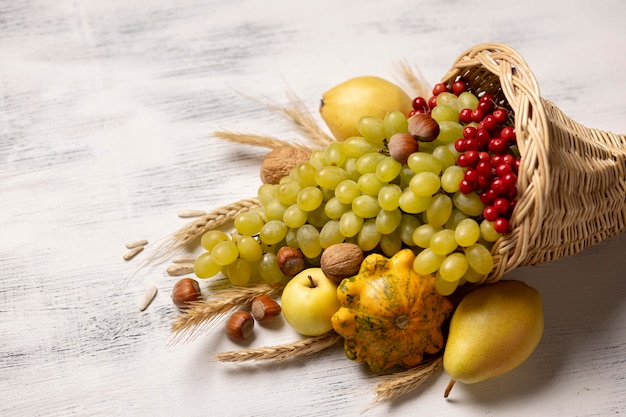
(279, 161)
(341, 260)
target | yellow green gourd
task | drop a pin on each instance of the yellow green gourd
(390, 315)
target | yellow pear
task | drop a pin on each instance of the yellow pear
(493, 330)
(343, 105)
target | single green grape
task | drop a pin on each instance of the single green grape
(225, 253)
(488, 231)
(395, 122)
(205, 267)
(370, 184)
(350, 167)
(357, 146)
(446, 156)
(467, 100)
(425, 184)
(455, 218)
(248, 223)
(249, 248)
(472, 276)
(444, 113)
(368, 162)
(448, 99)
(443, 242)
(294, 216)
(329, 176)
(239, 272)
(318, 217)
(422, 234)
(427, 262)
(424, 162)
(449, 131)
(350, 224)
(451, 179)
(310, 198)
(408, 224)
(368, 237)
(309, 241)
(388, 221)
(318, 159)
(439, 210)
(347, 191)
(388, 169)
(467, 232)
(269, 270)
(335, 208)
(391, 243)
(266, 193)
(330, 234)
(453, 267)
(365, 206)
(274, 210)
(212, 237)
(287, 192)
(291, 238)
(412, 203)
(468, 204)
(479, 258)
(389, 197)
(273, 232)
(372, 129)
(444, 287)
(334, 154)
(305, 172)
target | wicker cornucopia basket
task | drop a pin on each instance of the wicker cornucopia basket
(572, 181)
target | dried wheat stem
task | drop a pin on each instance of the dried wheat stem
(255, 140)
(304, 347)
(395, 385)
(303, 119)
(202, 315)
(414, 78)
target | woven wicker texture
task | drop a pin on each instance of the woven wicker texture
(572, 179)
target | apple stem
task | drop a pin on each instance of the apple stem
(313, 284)
(448, 388)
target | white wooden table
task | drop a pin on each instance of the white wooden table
(106, 110)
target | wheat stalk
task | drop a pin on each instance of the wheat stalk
(395, 385)
(203, 315)
(255, 140)
(305, 347)
(413, 78)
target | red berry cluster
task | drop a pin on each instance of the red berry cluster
(486, 151)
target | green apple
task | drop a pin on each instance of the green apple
(308, 302)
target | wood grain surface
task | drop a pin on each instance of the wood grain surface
(106, 114)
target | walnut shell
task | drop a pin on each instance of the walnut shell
(342, 260)
(279, 161)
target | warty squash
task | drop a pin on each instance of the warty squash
(390, 315)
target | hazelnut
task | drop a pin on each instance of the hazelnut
(401, 146)
(341, 260)
(240, 325)
(278, 162)
(423, 127)
(185, 292)
(290, 260)
(264, 309)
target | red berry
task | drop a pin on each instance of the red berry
(471, 175)
(439, 88)
(498, 146)
(484, 156)
(516, 165)
(483, 137)
(511, 193)
(490, 213)
(487, 197)
(465, 187)
(458, 87)
(486, 97)
(485, 105)
(459, 145)
(432, 102)
(508, 134)
(477, 115)
(496, 160)
(419, 103)
(501, 225)
(500, 115)
(503, 169)
(510, 179)
(490, 122)
(484, 181)
(499, 186)
(483, 167)
(469, 132)
(501, 205)
(508, 159)
(472, 157)
(465, 115)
